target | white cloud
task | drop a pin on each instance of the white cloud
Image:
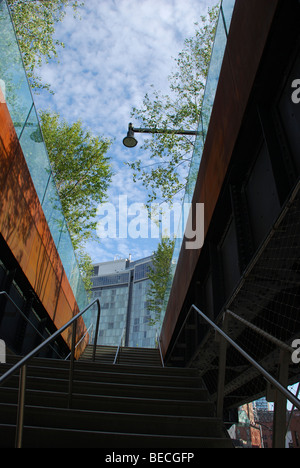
(112, 56)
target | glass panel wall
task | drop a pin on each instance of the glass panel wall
(15, 87)
(212, 80)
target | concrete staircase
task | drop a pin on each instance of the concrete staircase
(126, 355)
(122, 405)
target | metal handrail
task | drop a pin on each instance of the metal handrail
(22, 365)
(120, 344)
(289, 395)
(261, 332)
(157, 338)
(82, 338)
(4, 293)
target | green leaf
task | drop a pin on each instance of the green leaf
(35, 22)
(82, 173)
(158, 276)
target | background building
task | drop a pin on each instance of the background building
(122, 286)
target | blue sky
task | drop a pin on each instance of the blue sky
(113, 54)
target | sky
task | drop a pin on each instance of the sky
(113, 54)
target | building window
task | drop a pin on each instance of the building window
(141, 271)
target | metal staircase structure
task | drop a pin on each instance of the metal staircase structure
(126, 355)
(120, 397)
(141, 404)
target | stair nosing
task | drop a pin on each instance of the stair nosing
(121, 385)
(113, 397)
(208, 419)
(127, 434)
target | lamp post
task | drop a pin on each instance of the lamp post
(130, 141)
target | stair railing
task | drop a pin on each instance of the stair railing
(157, 339)
(91, 327)
(22, 366)
(120, 345)
(280, 428)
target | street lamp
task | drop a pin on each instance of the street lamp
(130, 141)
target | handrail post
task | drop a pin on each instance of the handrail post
(281, 388)
(116, 359)
(21, 366)
(279, 423)
(21, 407)
(97, 330)
(222, 367)
(72, 358)
(157, 338)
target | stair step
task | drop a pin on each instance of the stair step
(106, 367)
(127, 355)
(41, 437)
(112, 388)
(135, 403)
(104, 421)
(111, 403)
(102, 376)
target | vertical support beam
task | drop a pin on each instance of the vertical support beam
(283, 168)
(129, 307)
(244, 236)
(6, 285)
(279, 423)
(97, 330)
(222, 368)
(72, 358)
(217, 279)
(24, 325)
(21, 408)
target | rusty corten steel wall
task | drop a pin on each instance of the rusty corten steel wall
(24, 228)
(250, 26)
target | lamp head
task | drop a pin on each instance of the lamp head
(129, 141)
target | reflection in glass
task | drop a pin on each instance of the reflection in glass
(207, 105)
(15, 87)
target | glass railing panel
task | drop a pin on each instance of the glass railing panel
(53, 211)
(13, 80)
(213, 75)
(67, 254)
(207, 106)
(81, 294)
(68, 257)
(228, 7)
(35, 153)
(16, 89)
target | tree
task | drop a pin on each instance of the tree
(158, 276)
(85, 264)
(34, 22)
(170, 155)
(82, 173)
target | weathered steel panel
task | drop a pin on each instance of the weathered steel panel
(250, 26)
